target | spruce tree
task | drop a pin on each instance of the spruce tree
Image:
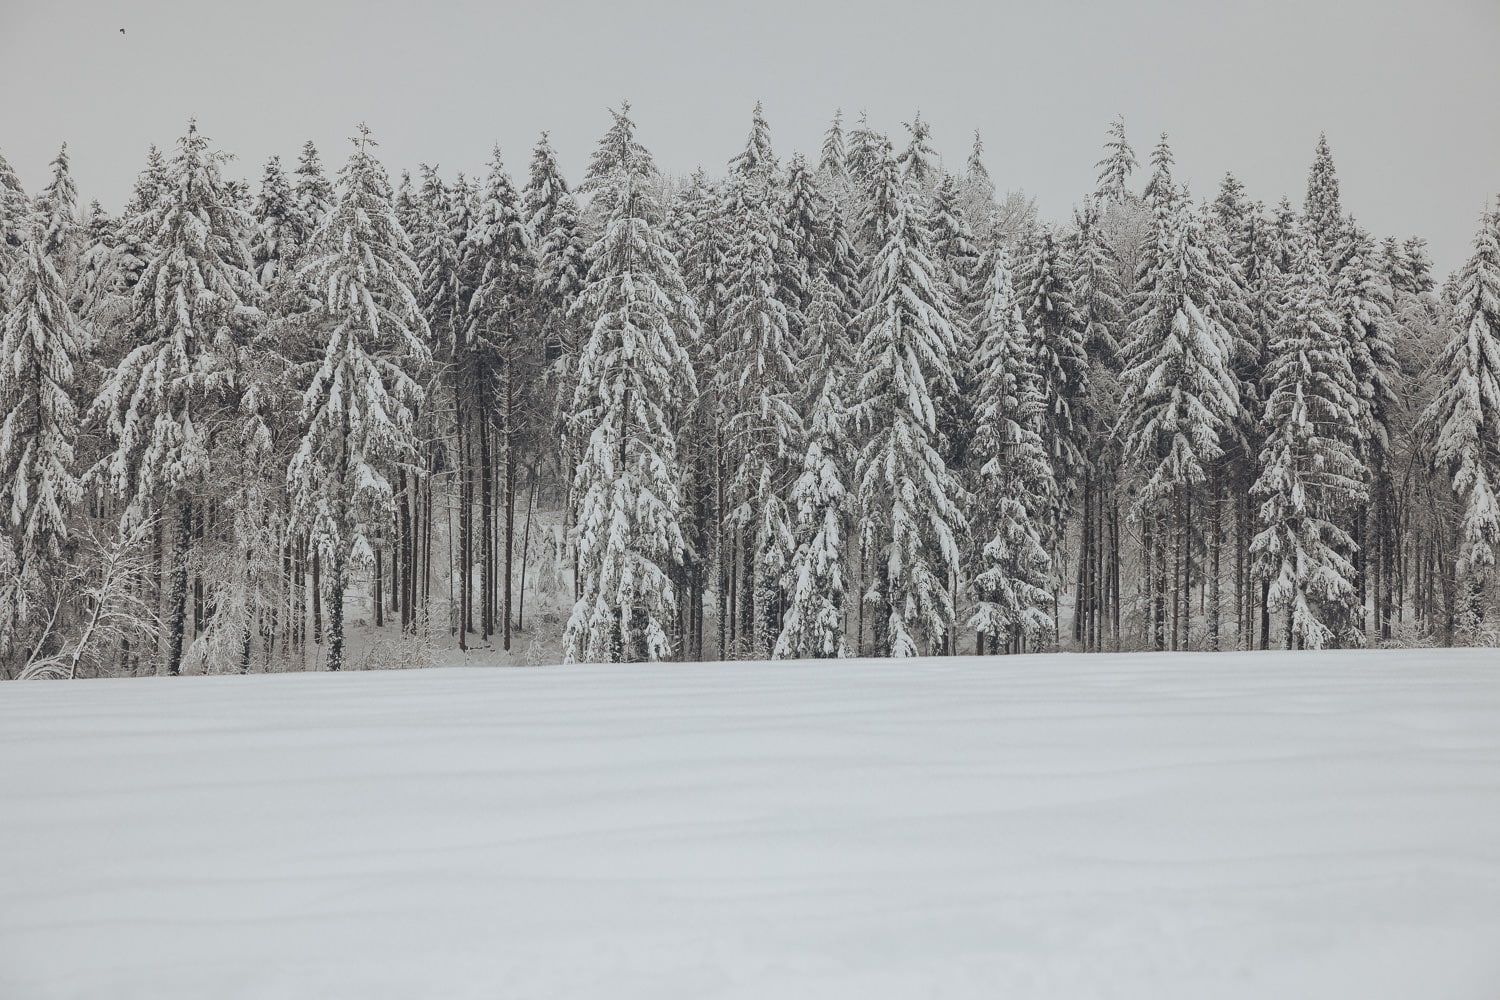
(817, 578)
(170, 396)
(907, 498)
(757, 382)
(57, 206)
(916, 159)
(1014, 489)
(831, 163)
(1050, 313)
(357, 423)
(1116, 166)
(635, 381)
(1310, 471)
(280, 224)
(42, 347)
(1464, 419)
(1322, 209)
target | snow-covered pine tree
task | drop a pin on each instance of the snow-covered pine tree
(1464, 420)
(1180, 396)
(280, 224)
(1310, 471)
(956, 255)
(559, 249)
(166, 403)
(357, 424)
(757, 384)
(635, 381)
(907, 498)
(916, 160)
(701, 233)
(817, 578)
(1323, 214)
(57, 206)
(975, 171)
(313, 190)
(1362, 299)
(862, 152)
(1116, 166)
(15, 213)
(41, 348)
(1014, 490)
(1050, 312)
(831, 162)
(501, 242)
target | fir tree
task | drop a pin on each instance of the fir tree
(906, 495)
(357, 422)
(635, 380)
(1014, 490)
(817, 577)
(164, 403)
(58, 208)
(1464, 419)
(916, 159)
(15, 211)
(41, 346)
(1310, 471)
(1051, 314)
(757, 381)
(280, 224)
(1322, 209)
(1180, 396)
(831, 163)
(1116, 167)
(976, 173)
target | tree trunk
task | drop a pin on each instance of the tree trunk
(177, 592)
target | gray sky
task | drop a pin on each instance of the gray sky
(1409, 92)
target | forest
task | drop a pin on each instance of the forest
(853, 403)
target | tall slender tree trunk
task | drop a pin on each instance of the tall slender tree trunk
(1215, 544)
(177, 592)
(510, 504)
(336, 584)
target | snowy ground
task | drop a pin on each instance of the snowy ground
(1205, 828)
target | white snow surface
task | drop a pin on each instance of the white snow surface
(1136, 826)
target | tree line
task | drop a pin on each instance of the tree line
(853, 404)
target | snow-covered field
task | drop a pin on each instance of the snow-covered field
(1207, 828)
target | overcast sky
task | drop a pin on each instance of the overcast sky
(1408, 92)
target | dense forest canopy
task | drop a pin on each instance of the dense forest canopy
(844, 402)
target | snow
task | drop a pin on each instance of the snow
(1320, 825)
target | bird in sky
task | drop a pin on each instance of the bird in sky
(122, 31)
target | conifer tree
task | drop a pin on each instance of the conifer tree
(1310, 472)
(357, 423)
(758, 378)
(817, 578)
(501, 242)
(1014, 488)
(911, 519)
(313, 190)
(1322, 208)
(164, 404)
(635, 380)
(1464, 419)
(15, 210)
(58, 208)
(279, 225)
(862, 152)
(916, 159)
(976, 173)
(42, 346)
(831, 163)
(559, 249)
(1051, 315)
(1116, 167)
